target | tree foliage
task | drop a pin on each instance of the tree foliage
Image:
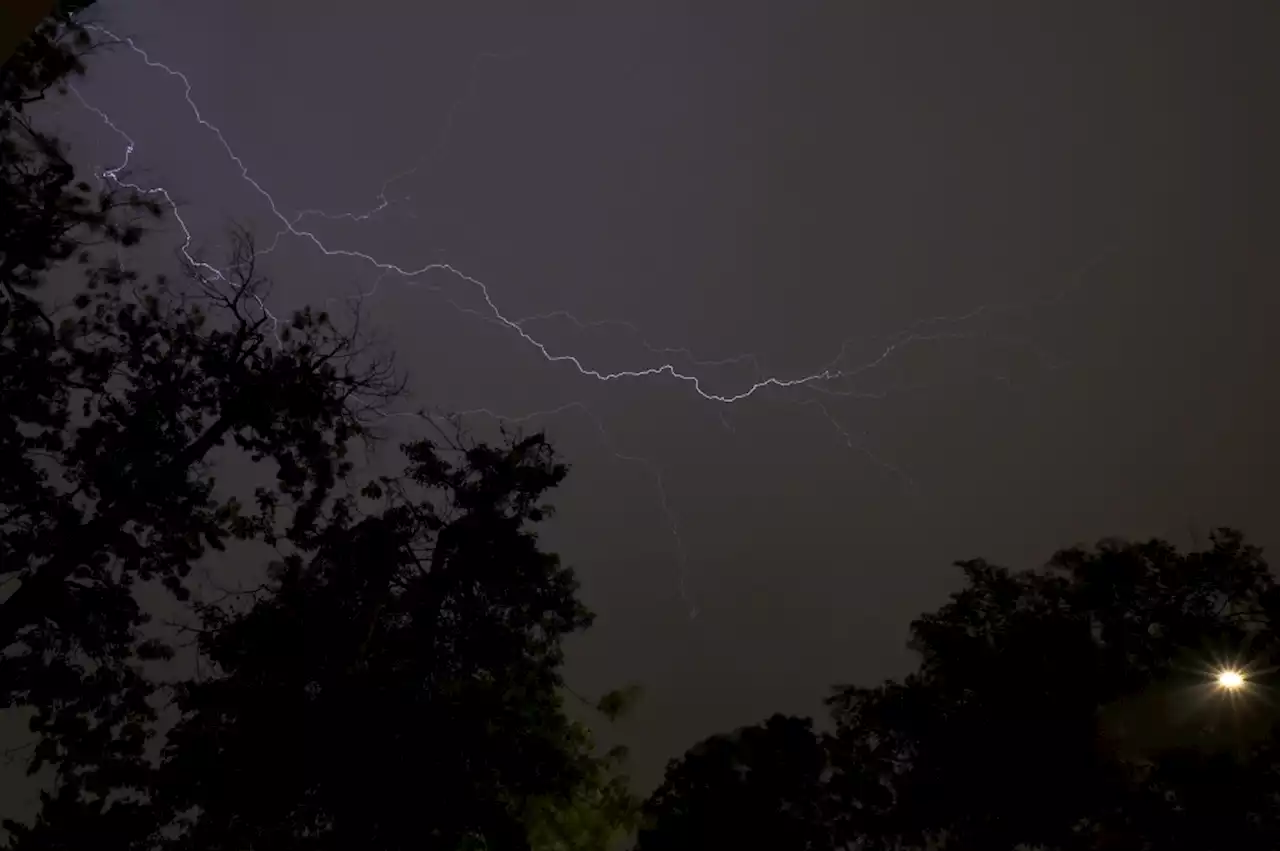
(396, 681)
(598, 811)
(398, 689)
(50, 214)
(1070, 707)
(109, 412)
(759, 787)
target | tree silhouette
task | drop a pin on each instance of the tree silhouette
(50, 214)
(20, 18)
(110, 404)
(397, 687)
(1071, 707)
(600, 810)
(396, 682)
(400, 689)
(106, 425)
(760, 787)
(113, 398)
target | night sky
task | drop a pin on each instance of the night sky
(1033, 244)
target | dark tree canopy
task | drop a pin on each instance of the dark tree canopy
(1071, 707)
(410, 655)
(397, 687)
(760, 787)
(112, 400)
(400, 688)
(396, 682)
(20, 18)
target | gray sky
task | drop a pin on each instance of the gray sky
(1034, 238)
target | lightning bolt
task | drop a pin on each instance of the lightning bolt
(860, 446)
(441, 142)
(113, 175)
(291, 226)
(676, 364)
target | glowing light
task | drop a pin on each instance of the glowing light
(1230, 679)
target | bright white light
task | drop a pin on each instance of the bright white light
(1230, 679)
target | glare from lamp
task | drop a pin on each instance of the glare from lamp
(1230, 679)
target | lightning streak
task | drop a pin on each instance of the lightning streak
(113, 175)
(861, 446)
(822, 381)
(441, 143)
(669, 370)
